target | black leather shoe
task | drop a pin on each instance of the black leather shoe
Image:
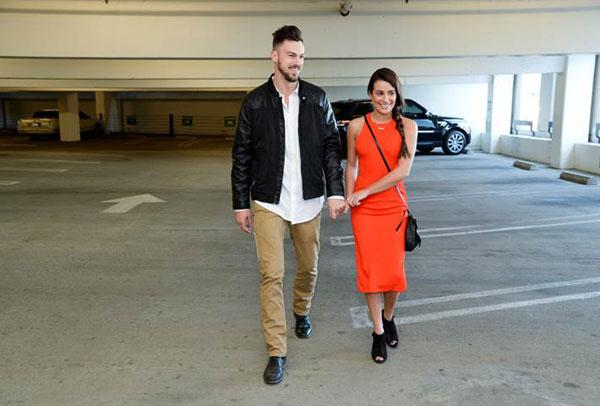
(274, 371)
(303, 326)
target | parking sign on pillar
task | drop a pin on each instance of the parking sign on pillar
(68, 106)
(573, 106)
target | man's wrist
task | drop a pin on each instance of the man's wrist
(336, 197)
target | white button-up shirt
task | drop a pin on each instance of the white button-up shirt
(292, 206)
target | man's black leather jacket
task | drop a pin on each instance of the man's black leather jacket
(258, 152)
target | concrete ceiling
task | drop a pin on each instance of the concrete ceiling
(309, 7)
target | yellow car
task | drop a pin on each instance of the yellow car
(45, 123)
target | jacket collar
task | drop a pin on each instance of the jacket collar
(274, 91)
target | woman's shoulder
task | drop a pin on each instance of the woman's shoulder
(355, 125)
(409, 125)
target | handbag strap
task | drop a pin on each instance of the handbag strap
(384, 160)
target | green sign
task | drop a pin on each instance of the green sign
(229, 121)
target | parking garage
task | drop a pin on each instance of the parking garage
(125, 280)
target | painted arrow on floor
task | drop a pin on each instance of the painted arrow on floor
(124, 204)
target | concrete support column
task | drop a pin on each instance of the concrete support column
(516, 100)
(547, 87)
(499, 112)
(113, 123)
(100, 106)
(595, 116)
(68, 113)
(572, 109)
(103, 100)
(3, 113)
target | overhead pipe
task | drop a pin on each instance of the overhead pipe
(345, 7)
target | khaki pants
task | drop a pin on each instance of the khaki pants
(269, 233)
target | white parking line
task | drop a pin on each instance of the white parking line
(12, 169)
(448, 228)
(8, 182)
(340, 241)
(517, 228)
(494, 292)
(436, 198)
(349, 239)
(189, 142)
(62, 161)
(360, 317)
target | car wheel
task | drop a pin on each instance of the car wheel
(425, 150)
(454, 142)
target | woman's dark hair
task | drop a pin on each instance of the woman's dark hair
(287, 32)
(388, 75)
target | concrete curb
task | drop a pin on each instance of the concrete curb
(577, 178)
(528, 166)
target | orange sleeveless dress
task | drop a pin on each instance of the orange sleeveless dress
(379, 247)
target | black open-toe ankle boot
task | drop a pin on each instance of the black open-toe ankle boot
(378, 350)
(391, 333)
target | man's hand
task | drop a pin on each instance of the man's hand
(336, 207)
(244, 220)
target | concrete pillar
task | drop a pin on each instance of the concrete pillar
(100, 106)
(595, 116)
(3, 113)
(547, 87)
(516, 100)
(572, 110)
(68, 116)
(114, 119)
(103, 109)
(500, 102)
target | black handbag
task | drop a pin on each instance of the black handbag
(413, 239)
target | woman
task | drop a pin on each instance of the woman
(378, 201)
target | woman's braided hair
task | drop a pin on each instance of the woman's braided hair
(388, 75)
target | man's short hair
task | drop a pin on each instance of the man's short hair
(287, 32)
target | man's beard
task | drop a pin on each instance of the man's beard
(287, 75)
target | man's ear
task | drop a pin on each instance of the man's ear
(274, 55)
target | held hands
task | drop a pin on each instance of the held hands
(336, 207)
(355, 198)
(244, 220)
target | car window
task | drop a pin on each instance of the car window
(342, 110)
(362, 109)
(411, 108)
(46, 114)
(337, 110)
(83, 115)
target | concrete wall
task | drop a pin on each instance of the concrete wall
(456, 100)
(587, 157)
(528, 148)
(238, 29)
(119, 75)
(208, 117)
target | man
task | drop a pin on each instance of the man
(286, 153)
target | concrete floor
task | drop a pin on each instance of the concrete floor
(159, 305)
